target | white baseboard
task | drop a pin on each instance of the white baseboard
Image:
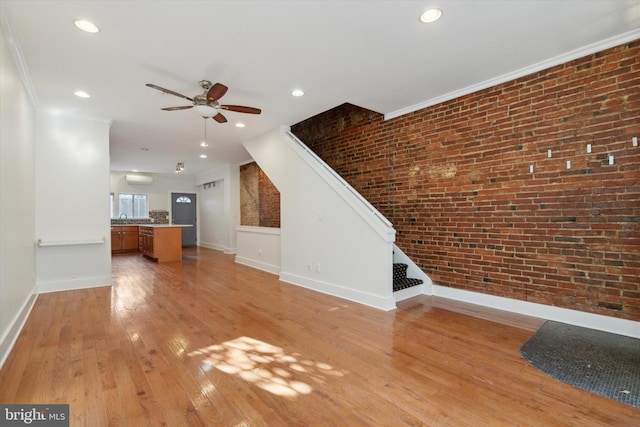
(376, 301)
(8, 341)
(73, 284)
(548, 312)
(217, 247)
(411, 292)
(269, 268)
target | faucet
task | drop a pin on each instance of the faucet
(126, 221)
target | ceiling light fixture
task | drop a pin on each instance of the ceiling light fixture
(239, 125)
(205, 111)
(297, 92)
(87, 26)
(179, 167)
(81, 94)
(203, 156)
(204, 144)
(431, 15)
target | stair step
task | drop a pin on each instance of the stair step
(404, 283)
(399, 271)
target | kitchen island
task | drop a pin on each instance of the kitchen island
(161, 242)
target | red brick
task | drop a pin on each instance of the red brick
(554, 227)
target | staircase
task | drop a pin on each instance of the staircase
(400, 279)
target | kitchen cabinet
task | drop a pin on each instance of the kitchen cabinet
(124, 238)
(162, 243)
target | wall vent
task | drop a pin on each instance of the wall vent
(139, 180)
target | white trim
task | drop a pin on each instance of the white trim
(217, 247)
(543, 65)
(258, 230)
(375, 301)
(13, 332)
(269, 268)
(411, 292)
(548, 312)
(16, 52)
(72, 285)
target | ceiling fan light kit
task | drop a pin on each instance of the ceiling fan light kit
(206, 104)
(205, 111)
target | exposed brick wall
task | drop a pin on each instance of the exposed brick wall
(455, 181)
(259, 198)
(269, 202)
(249, 197)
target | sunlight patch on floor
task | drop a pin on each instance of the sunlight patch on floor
(267, 366)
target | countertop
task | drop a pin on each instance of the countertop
(152, 225)
(165, 225)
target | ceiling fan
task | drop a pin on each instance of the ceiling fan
(207, 104)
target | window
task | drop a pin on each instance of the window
(111, 205)
(183, 199)
(133, 205)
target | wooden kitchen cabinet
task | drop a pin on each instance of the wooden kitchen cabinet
(124, 238)
(161, 243)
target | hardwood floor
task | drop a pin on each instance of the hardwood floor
(214, 343)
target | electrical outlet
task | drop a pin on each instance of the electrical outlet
(318, 267)
(310, 266)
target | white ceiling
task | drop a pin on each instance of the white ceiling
(374, 54)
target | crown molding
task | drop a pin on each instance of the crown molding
(16, 52)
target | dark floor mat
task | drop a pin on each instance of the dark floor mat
(600, 362)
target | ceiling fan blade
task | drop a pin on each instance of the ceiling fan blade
(184, 107)
(220, 118)
(241, 109)
(170, 92)
(216, 92)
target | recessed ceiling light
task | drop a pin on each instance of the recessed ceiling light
(204, 144)
(144, 149)
(87, 26)
(203, 156)
(135, 170)
(431, 15)
(81, 94)
(297, 92)
(239, 125)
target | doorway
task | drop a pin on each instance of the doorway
(183, 212)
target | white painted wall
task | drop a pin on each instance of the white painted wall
(159, 192)
(17, 197)
(219, 210)
(326, 243)
(214, 232)
(259, 247)
(72, 201)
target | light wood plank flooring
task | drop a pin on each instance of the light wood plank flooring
(208, 342)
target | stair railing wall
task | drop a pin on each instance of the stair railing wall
(368, 212)
(332, 240)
